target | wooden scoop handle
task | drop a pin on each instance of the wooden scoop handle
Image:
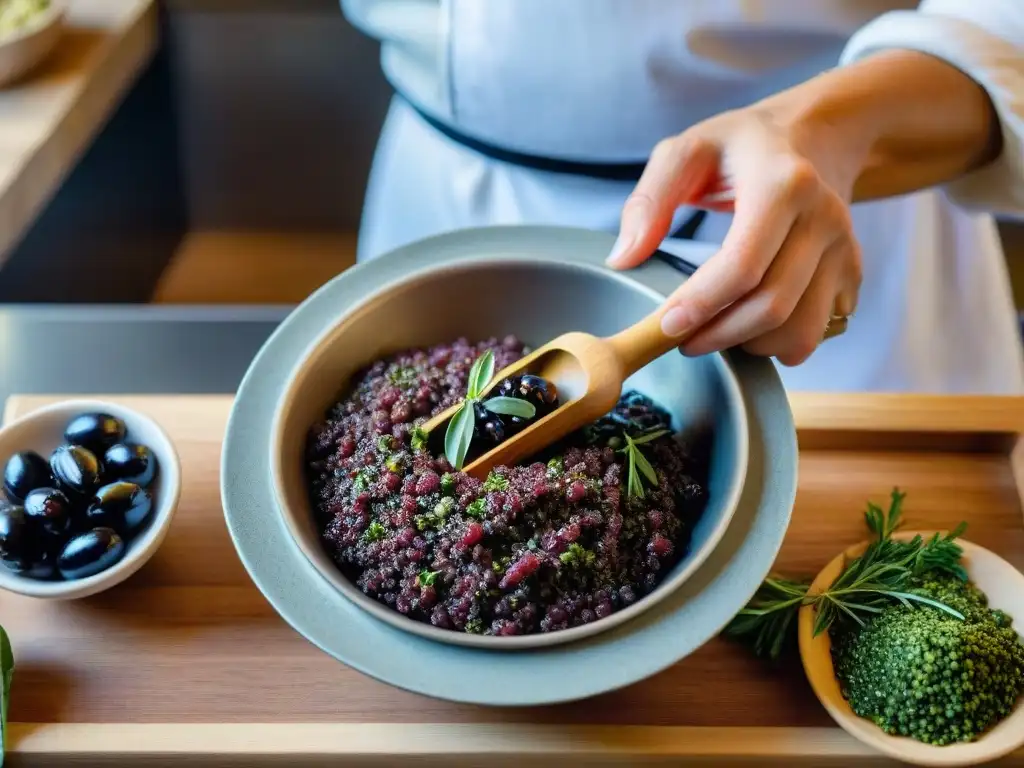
(642, 343)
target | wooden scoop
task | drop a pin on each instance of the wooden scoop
(587, 370)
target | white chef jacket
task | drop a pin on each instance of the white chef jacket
(605, 80)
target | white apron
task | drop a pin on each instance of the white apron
(602, 81)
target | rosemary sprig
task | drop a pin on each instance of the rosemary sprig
(459, 435)
(880, 577)
(637, 464)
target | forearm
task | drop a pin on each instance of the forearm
(890, 124)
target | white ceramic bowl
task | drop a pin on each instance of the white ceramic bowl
(27, 48)
(1004, 586)
(536, 300)
(42, 431)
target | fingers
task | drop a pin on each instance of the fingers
(771, 303)
(795, 340)
(679, 169)
(770, 194)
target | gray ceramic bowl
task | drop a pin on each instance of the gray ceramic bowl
(536, 300)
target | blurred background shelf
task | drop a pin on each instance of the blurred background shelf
(199, 151)
(240, 267)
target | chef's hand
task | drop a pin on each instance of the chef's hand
(789, 261)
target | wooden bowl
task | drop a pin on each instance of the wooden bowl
(27, 48)
(1004, 586)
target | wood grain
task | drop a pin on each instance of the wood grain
(189, 639)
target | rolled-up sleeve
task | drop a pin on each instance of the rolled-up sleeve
(985, 40)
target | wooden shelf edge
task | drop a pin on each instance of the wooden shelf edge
(113, 741)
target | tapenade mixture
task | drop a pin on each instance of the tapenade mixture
(563, 541)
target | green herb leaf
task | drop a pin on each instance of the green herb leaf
(375, 531)
(459, 435)
(510, 406)
(427, 578)
(645, 466)
(480, 375)
(495, 482)
(7, 673)
(868, 584)
(649, 436)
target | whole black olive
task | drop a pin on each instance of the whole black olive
(89, 553)
(121, 506)
(76, 469)
(131, 462)
(24, 472)
(95, 431)
(48, 511)
(17, 545)
(44, 566)
(541, 392)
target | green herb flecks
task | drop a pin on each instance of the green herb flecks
(575, 555)
(879, 578)
(477, 508)
(418, 439)
(638, 466)
(495, 482)
(375, 531)
(427, 578)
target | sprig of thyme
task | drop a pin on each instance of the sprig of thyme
(637, 464)
(882, 576)
(459, 434)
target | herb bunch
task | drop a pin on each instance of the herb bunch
(461, 426)
(637, 464)
(882, 576)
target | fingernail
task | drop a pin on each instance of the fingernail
(675, 322)
(622, 245)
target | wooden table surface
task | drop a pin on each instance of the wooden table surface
(190, 640)
(51, 116)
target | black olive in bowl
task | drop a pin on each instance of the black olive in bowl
(24, 472)
(96, 485)
(95, 431)
(130, 462)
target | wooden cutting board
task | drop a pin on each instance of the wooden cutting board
(188, 659)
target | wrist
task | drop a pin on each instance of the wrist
(830, 125)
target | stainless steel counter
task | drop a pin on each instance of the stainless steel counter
(129, 349)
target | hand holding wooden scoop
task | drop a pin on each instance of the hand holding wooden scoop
(588, 371)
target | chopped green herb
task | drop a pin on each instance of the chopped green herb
(444, 507)
(427, 578)
(495, 482)
(477, 508)
(447, 484)
(362, 480)
(385, 443)
(375, 531)
(556, 466)
(418, 439)
(575, 555)
(474, 626)
(402, 376)
(395, 463)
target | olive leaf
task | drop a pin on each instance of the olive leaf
(510, 406)
(480, 375)
(459, 435)
(7, 672)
